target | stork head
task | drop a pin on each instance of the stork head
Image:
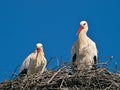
(39, 47)
(83, 27)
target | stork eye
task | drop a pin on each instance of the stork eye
(84, 24)
(41, 46)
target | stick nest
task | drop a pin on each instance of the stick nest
(65, 79)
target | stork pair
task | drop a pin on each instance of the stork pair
(84, 54)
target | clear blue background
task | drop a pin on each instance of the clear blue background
(55, 23)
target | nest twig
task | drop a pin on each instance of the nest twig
(65, 79)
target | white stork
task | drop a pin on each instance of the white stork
(84, 51)
(35, 62)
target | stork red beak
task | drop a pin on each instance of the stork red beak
(38, 50)
(80, 29)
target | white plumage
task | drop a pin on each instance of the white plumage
(35, 62)
(84, 51)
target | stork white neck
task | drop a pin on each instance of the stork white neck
(39, 57)
(82, 39)
(82, 34)
(39, 53)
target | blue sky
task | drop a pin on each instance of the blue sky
(54, 23)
